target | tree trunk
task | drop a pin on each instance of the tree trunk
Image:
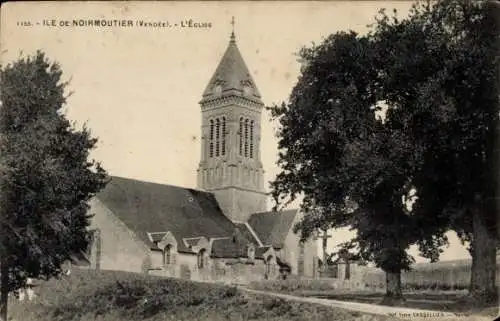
(393, 286)
(4, 291)
(483, 272)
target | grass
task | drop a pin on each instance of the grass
(292, 285)
(427, 299)
(450, 302)
(112, 296)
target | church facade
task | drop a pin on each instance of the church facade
(220, 231)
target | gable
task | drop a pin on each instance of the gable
(146, 207)
(167, 239)
(272, 228)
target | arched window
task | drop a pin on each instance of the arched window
(251, 139)
(223, 144)
(269, 265)
(201, 258)
(241, 136)
(211, 151)
(92, 242)
(217, 137)
(251, 253)
(167, 255)
(246, 137)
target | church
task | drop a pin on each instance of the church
(221, 230)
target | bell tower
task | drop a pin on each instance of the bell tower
(231, 111)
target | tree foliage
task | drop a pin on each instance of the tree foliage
(47, 177)
(441, 85)
(339, 155)
(435, 74)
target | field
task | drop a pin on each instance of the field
(444, 275)
(439, 300)
(112, 296)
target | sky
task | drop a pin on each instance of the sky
(138, 88)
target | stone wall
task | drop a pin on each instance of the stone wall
(345, 276)
(301, 257)
(454, 275)
(117, 248)
(239, 272)
(311, 259)
(440, 275)
(291, 252)
(238, 204)
(229, 271)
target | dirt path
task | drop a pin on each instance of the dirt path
(402, 313)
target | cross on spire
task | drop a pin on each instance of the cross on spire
(233, 38)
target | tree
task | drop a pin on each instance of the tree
(351, 168)
(46, 179)
(441, 80)
(432, 70)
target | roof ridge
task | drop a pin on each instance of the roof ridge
(160, 184)
(254, 234)
(278, 212)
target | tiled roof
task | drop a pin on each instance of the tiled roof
(232, 75)
(235, 246)
(154, 209)
(273, 227)
(259, 252)
(227, 248)
(149, 207)
(242, 227)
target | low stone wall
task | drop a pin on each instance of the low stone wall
(342, 277)
(453, 275)
(344, 284)
(224, 272)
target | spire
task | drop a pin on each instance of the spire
(232, 77)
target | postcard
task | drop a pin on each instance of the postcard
(177, 95)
